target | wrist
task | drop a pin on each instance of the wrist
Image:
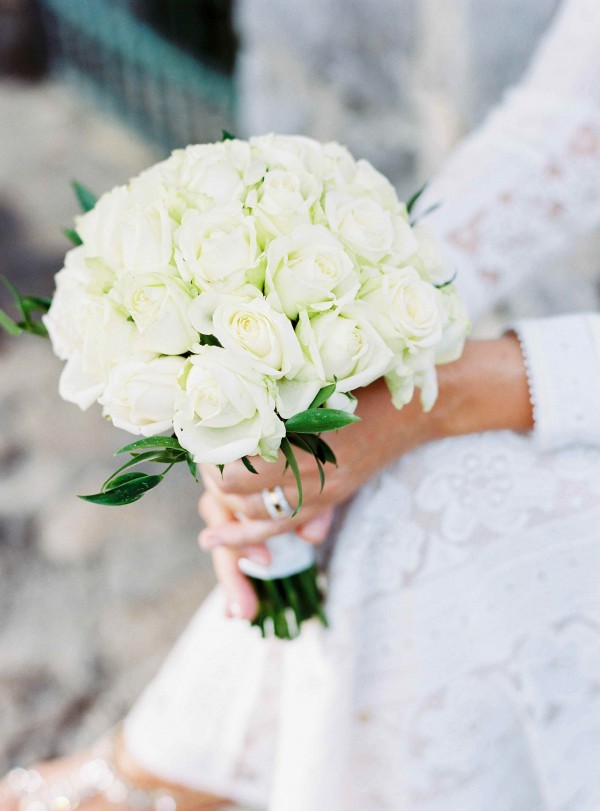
(485, 390)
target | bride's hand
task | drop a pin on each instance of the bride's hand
(485, 390)
(362, 449)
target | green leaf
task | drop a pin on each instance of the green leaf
(325, 452)
(248, 465)
(227, 136)
(10, 326)
(25, 306)
(445, 284)
(159, 456)
(15, 295)
(317, 420)
(323, 395)
(87, 199)
(72, 235)
(288, 452)
(39, 304)
(124, 478)
(319, 448)
(209, 340)
(300, 441)
(126, 493)
(193, 468)
(221, 469)
(415, 198)
(35, 329)
(321, 473)
(152, 442)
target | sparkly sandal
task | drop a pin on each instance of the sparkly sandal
(96, 777)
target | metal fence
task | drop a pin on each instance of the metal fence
(166, 66)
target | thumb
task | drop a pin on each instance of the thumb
(316, 529)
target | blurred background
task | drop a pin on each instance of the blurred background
(91, 599)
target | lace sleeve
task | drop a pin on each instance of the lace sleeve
(519, 192)
(562, 357)
(525, 186)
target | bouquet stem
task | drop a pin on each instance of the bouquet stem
(288, 591)
(285, 603)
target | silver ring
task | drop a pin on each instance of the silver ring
(276, 504)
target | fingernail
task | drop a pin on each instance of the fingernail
(256, 556)
(315, 530)
(210, 540)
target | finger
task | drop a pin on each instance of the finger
(240, 596)
(242, 533)
(242, 601)
(316, 529)
(253, 507)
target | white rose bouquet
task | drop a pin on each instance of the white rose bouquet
(228, 302)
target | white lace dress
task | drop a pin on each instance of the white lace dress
(461, 671)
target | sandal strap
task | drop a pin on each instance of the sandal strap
(96, 777)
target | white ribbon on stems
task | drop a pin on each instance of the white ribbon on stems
(289, 555)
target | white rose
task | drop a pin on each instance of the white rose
(252, 329)
(218, 249)
(79, 279)
(367, 228)
(429, 259)
(283, 201)
(342, 401)
(147, 234)
(417, 372)
(368, 181)
(343, 345)
(158, 305)
(228, 410)
(141, 397)
(293, 153)
(407, 310)
(457, 325)
(309, 269)
(220, 173)
(104, 337)
(340, 167)
(100, 228)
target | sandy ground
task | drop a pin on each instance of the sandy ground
(91, 598)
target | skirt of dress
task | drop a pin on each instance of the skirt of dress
(461, 671)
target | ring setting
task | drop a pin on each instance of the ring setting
(276, 504)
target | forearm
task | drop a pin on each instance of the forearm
(485, 390)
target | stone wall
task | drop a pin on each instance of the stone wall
(399, 81)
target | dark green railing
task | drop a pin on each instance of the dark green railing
(150, 62)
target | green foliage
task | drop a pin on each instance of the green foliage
(86, 198)
(318, 420)
(227, 136)
(125, 488)
(415, 199)
(288, 452)
(323, 395)
(446, 284)
(209, 340)
(248, 465)
(151, 442)
(300, 441)
(125, 493)
(26, 307)
(72, 235)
